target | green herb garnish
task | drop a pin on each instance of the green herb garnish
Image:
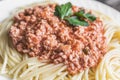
(90, 17)
(63, 10)
(85, 15)
(75, 21)
(80, 14)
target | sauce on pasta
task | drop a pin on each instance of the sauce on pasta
(38, 32)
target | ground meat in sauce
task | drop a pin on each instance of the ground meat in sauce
(38, 32)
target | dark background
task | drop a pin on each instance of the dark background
(113, 3)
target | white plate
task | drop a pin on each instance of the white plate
(7, 6)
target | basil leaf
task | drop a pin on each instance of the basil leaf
(76, 22)
(90, 17)
(87, 15)
(80, 13)
(63, 10)
(57, 11)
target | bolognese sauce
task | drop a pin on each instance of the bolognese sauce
(38, 32)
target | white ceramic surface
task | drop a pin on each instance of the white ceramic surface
(7, 6)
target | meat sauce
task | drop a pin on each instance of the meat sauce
(38, 32)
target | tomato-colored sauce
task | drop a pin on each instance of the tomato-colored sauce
(38, 32)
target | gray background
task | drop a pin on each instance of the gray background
(113, 3)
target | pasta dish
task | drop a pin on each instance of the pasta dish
(59, 42)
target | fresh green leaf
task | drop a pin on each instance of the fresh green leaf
(76, 22)
(63, 10)
(57, 11)
(80, 13)
(90, 17)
